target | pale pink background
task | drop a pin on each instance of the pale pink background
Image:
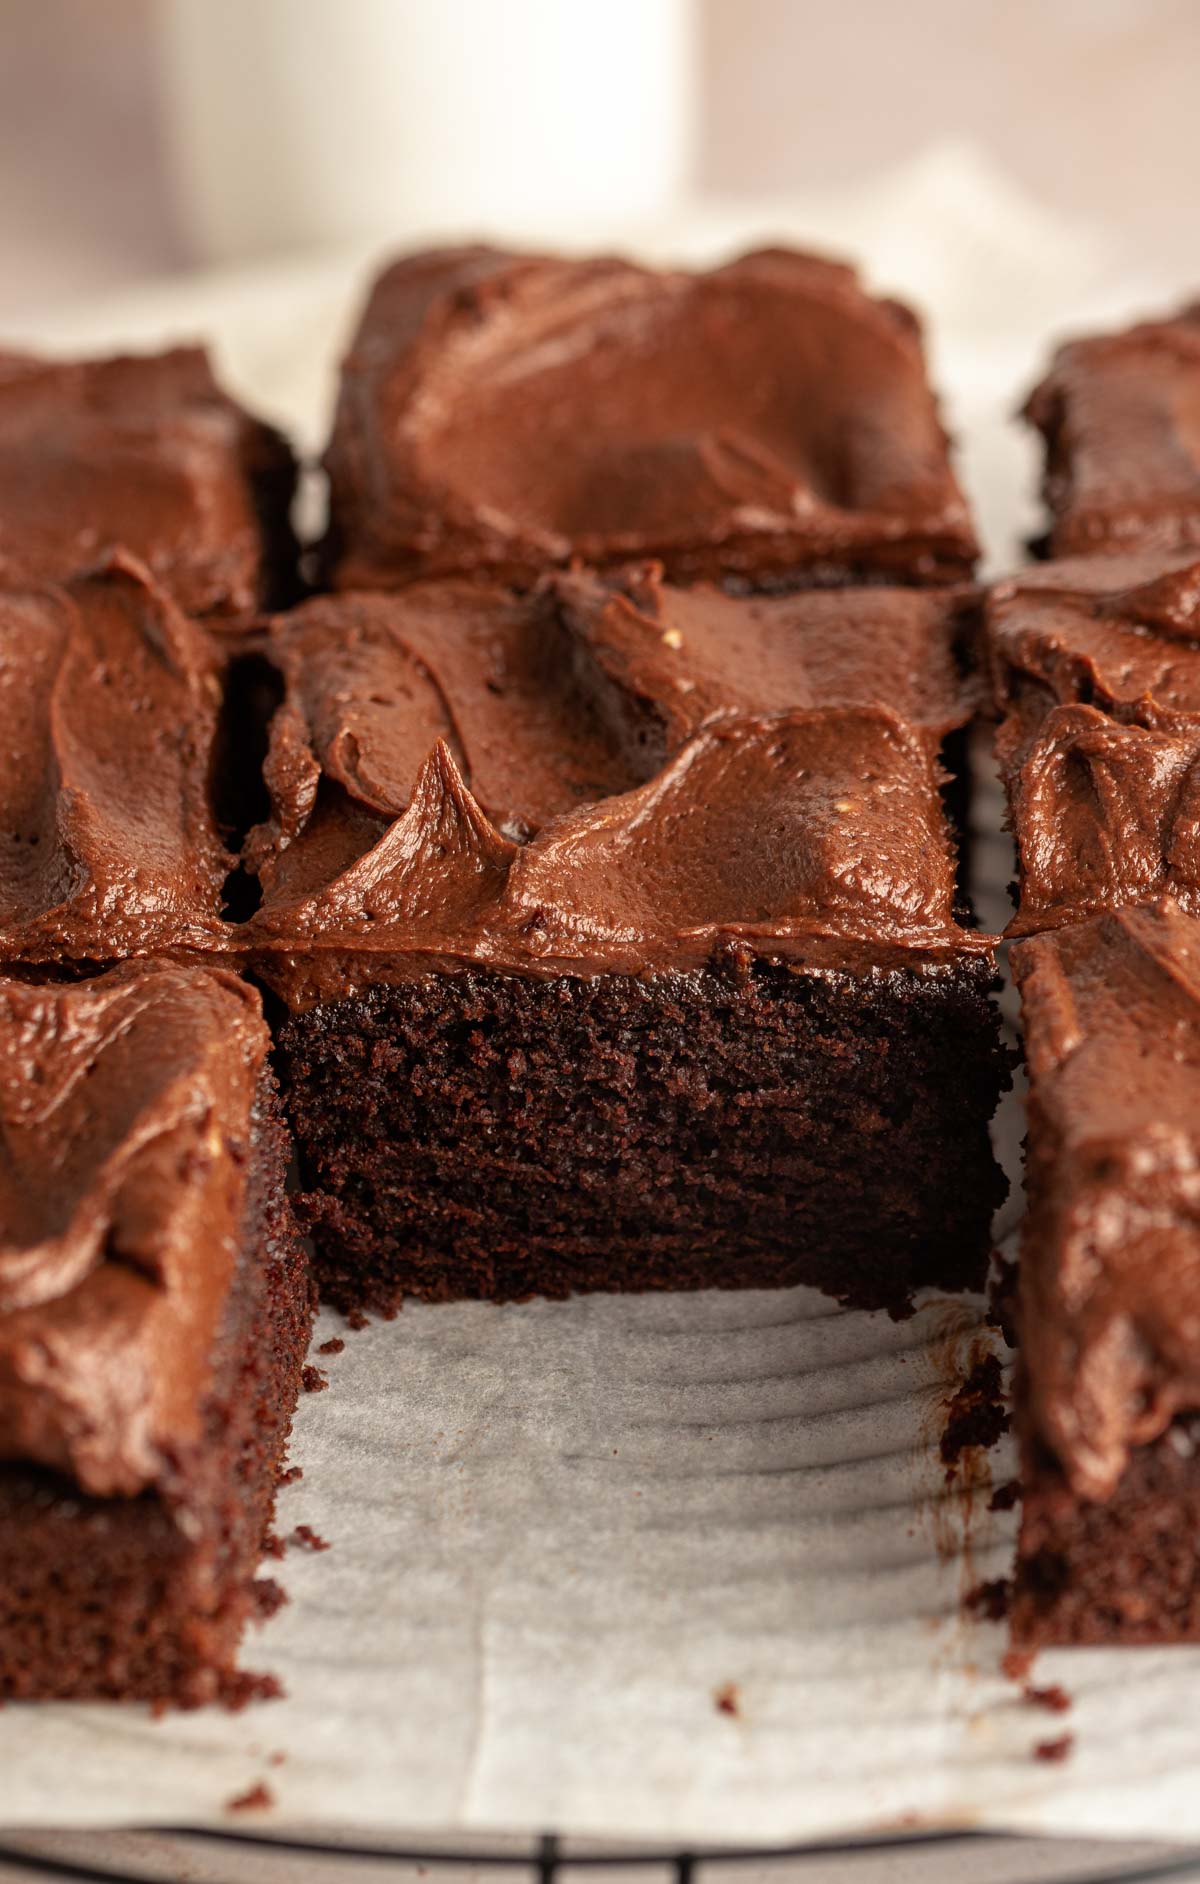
(1093, 104)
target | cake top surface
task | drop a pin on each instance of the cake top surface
(144, 453)
(109, 709)
(1120, 414)
(1110, 1281)
(465, 723)
(125, 1119)
(592, 777)
(505, 413)
(1096, 670)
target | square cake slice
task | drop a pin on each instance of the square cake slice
(766, 423)
(600, 972)
(147, 454)
(112, 842)
(1096, 674)
(155, 1308)
(1120, 416)
(1108, 1397)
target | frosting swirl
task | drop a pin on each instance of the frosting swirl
(125, 1116)
(149, 455)
(609, 789)
(1096, 670)
(109, 707)
(1120, 414)
(766, 421)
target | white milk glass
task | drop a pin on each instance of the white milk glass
(303, 123)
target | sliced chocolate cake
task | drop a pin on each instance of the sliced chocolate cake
(763, 424)
(1120, 416)
(146, 454)
(154, 1312)
(1096, 672)
(111, 841)
(1109, 1293)
(600, 973)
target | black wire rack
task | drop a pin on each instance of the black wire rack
(217, 1856)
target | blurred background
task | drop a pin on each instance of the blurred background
(143, 137)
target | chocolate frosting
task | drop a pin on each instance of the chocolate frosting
(607, 791)
(1096, 669)
(148, 454)
(1120, 415)
(1110, 1273)
(109, 709)
(125, 1115)
(677, 656)
(504, 413)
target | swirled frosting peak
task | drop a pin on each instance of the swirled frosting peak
(604, 774)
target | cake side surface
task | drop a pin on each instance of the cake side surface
(746, 1124)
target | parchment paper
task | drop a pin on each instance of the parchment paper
(674, 1567)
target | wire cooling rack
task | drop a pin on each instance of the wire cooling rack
(230, 1857)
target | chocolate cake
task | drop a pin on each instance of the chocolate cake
(110, 722)
(1096, 672)
(602, 971)
(607, 914)
(766, 424)
(1120, 415)
(1109, 1294)
(154, 1312)
(146, 454)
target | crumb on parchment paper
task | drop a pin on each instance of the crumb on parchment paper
(256, 1798)
(1055, 1750)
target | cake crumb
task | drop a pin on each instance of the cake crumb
(290, 1476)
(269, 1598)
(334, 1345)
(989, 1599)
(258, 1798)
(1055, 1698)
(727, 1699)
(307, 1539)
(1005, 1496)
(313, 1380)
(1055, 1751)
(272, 1545)
(240, 1689)
(356, 1318)
(1017, 1664)
(976, 1414)
(277, 1758)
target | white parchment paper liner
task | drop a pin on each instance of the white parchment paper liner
(674, 1568)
